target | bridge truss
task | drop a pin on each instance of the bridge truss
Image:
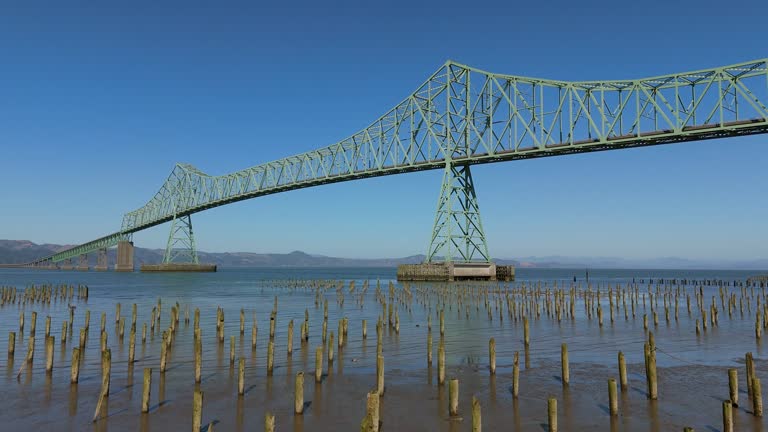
(462, 116)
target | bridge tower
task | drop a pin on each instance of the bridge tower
(181, 242)
(457, 235)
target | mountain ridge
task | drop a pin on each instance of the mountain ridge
(23, 251)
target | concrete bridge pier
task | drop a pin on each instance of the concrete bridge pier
(101, 262)
(66, 265)
(124, 256)
(82, 264)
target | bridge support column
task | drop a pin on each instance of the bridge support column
(101, 262)
(457, 235)
(457, 248)
(82, 264)
(66, 264)
(124, 256)
(181, 242)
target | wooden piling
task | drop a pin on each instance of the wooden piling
(552, 414)
(453, 397)
(566, 378)
(75, 369)
(733, 386)
(727, 416)
(198, 355)
(380, 374)
(372, 411)
(290, 337)
(163, 352)
(330, 349)
(231, 350)
(526, 332)
(146, 390)
(516, 375)
(429, 347)
(319, 364)
(197, 410)
(492, 355)
(241, 377)
(757, 397)
(269, 422)
(11, 343)
(613, 402)
(132, 346)
(49, 341)
(298, 394)
(270, 357)
(477, 423)
(623, 372)
(441, 363)
(365, 329)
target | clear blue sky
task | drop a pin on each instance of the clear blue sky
(97, 103)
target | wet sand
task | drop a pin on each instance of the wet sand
(693, 378)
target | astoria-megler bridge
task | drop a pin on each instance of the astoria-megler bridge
(462, 116)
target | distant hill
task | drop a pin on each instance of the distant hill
(23, 251)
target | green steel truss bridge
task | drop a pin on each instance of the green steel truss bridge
(462, 116)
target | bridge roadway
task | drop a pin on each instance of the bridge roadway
(465, 116)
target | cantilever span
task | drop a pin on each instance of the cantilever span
(461, 116)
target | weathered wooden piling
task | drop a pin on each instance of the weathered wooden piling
(623, 372)
(372, 411)
(290, 337)
(516, 375)
(365, 329)
(241, 377)
(270, 357)
(526, 332)
(441, 363)
(146, 390)
(477, 422)
(330, 349)
(757, 397)
(231, 350)
(11, 343)
(49, 341)
(380, 374)
(552, 414)
(269, 422)
(613, 402)
(319, 364)
(492, 355)
(566, 378)
(298, 394)
(453, 397)
(733, 386)
(75, 368)
(727, 416)
(164, 352)
(198, 355)
(132, 346)
(197, 410)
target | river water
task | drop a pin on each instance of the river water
(692, 368)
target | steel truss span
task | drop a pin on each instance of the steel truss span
(463, 115)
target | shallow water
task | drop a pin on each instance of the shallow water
(692, 369)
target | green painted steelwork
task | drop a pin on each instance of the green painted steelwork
(181, 242)
(463, 115)
(458, 234)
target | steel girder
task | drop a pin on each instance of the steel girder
(464, 115)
